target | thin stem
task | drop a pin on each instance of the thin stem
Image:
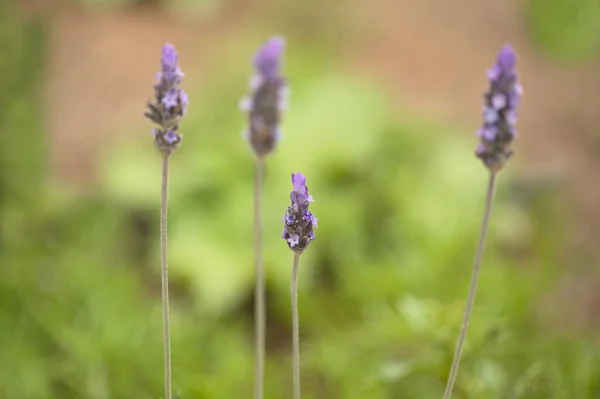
(472, 288)
(295, 326)
(165, 275)
(259, 294)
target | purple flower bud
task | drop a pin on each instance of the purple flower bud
(500, 114)
(300, 196)
(268, 58)
(169, 58)
(298, 222)
(170, 102)
(507, 59)
(268, 97)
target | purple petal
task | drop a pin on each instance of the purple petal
(277, 134)
(183, 99)
(290, 219)
(255, 81)
(519, 89)
(489, 133)
(171, 99)
(498, 101)
(512, 117)
(493, 73)
(245, 104)
(171, 137)
(490, 115)
(293, 240)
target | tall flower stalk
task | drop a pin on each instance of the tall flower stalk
(166, 109)
(298, 231)
(264, 104)
(496, 136)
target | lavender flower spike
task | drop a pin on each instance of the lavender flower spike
(500, 112)
(298, 221)
(169, 104)
(267, 98)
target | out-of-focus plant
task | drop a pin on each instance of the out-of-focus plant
(496, 136)
(565, 29)
(22, 142)
(264, 105)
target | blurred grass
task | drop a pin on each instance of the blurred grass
(381, 290)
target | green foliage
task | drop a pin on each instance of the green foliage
(381, 290)
(22, 146)
(565, 29)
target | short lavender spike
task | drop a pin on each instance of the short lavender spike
(169, 104)
(267, 98)
(500, 112)
(299, 223)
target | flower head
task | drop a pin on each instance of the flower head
(298, 222)
(169, 103)
(499, 112)
(267, 98)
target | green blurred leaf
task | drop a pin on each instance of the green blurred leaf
(565, 29)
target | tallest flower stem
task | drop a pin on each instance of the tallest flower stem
(473, 286)
(259, 295)
(165, 275)
(166, 110)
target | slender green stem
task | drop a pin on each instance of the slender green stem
(472, 288)
(259, 295)
(295, 326)
(165, 275)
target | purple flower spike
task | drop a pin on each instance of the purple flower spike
(267, 99)
(169, 103)
(298, 222)
(500, 113)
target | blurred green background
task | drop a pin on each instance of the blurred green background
(384, 104)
